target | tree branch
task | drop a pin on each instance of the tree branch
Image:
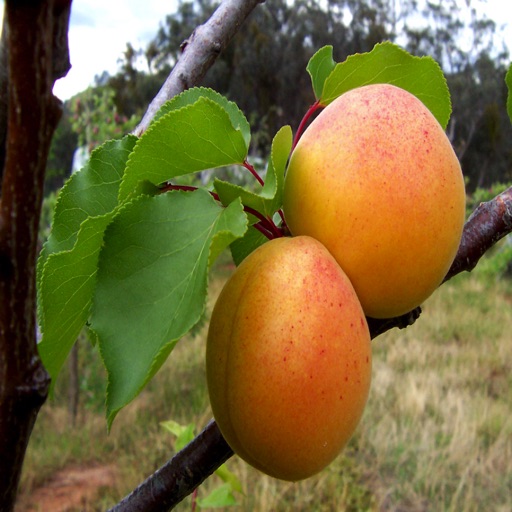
(199, 52)
(487, 225)
(179, 477)
(32, 113)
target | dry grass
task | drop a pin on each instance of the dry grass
(436, 435)
(439, 418)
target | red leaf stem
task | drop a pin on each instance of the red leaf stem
(302, 126)
(253, 171)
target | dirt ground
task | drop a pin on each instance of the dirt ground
(69, 490)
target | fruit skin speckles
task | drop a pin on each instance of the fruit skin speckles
(275, 373)
(375, 179)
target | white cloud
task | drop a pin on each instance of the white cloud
(98, 33)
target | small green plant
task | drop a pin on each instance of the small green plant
(498, 262)
(221, 496)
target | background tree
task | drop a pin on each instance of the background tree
(263, 69)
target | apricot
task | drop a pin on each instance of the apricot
(288, 359)
(376, 180)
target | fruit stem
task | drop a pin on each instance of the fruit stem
(265, 225)
(311, 110)
(264, 231)
(264, 222)
(194, 499)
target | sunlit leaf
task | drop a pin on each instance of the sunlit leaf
(229, 477)
(65, 293)
(320, 66)
(68, 263)
(193, 138)
(184, 433)
(90, 192)
(388, 63)
(190, 96)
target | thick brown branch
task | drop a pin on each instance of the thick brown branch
(489, 223)
(32, 115)
(199, 53)
(60, 65)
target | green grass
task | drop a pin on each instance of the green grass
(436, 434)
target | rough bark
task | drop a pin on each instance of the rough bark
(36, 54)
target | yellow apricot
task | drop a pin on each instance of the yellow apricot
(288, 359)
(376, 180)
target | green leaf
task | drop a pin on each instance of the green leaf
(90, 192)
(229, 477)
(192, 138)
(388, 63)
(68, 263)
(220, 497)
(508, 80)
(319, 67)
(184, 433)
(65, 293)
(152, 282)
(270, 197)
(190, 96)
(242, 247)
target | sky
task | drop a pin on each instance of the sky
(98, 33)
(100, 29)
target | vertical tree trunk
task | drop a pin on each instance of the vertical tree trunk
(34, 31)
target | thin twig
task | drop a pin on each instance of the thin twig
(199, 53)
(488, 224)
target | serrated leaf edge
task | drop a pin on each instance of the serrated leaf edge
(155, 126)
(412, 58)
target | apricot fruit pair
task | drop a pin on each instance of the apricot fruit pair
(375, 179)
(374, 196)
(288, 359)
